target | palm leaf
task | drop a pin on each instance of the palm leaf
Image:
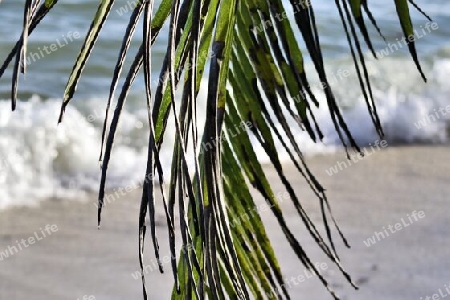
(408, 30)
(256, 77)
(99, 19)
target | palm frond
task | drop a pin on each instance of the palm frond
(408, 30)
(256, 77)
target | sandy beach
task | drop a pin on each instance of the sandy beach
(76, 260)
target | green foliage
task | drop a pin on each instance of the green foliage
(256, 77)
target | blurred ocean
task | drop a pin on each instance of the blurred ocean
(39, 159)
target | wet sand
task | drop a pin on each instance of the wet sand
(381, 190)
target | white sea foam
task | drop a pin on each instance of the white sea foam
(402, 99)
(40, 159)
